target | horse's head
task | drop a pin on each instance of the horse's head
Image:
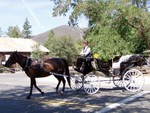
(15, 57)
(12, 59)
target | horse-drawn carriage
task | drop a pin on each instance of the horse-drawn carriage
(122, 71)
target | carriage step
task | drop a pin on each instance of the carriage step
(144, 71)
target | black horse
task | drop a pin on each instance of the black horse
(37, 70)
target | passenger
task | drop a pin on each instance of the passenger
(123, 61)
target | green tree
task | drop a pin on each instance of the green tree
(26, 29)
(115, 26)
(49, 43)
(136, 21)
(65, 48)
(62, 47)
(37, 53)
(14, 31)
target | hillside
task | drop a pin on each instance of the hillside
(74, 32)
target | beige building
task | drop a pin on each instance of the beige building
(21, 45)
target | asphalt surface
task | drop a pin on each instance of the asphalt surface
(15, 87)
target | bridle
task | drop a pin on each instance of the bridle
(27, 62)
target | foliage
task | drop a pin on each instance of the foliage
(62, 47)
(14, 31)
(26, 29)
(48, 44)
(115, 26)
(2, 69)
(136, 21)
(37, 54)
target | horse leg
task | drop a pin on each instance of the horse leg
(31, 87)
(59, 81)
(64, 83)
(34, 83)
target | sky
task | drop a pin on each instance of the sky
(38, 12)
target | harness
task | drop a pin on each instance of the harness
(27, 63)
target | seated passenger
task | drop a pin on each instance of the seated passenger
(118, 66)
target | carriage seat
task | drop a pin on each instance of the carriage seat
(116, 65)
(83, 62)
(122, 59)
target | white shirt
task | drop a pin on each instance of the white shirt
(85, 51)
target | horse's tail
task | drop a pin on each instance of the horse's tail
(67, 71)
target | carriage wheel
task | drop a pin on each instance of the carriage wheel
(91, 83)
(133, 80)
(117, 81)
(76, 81)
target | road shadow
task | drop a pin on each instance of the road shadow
(14, 100)
(139, 105)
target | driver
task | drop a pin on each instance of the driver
(85, 53)
(86, 50)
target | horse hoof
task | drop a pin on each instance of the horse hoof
(57, 92)
(28, 97)
(61, 93)
(42, 93)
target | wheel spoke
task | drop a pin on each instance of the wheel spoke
(133, 80)
(76, 82)
(91, 84)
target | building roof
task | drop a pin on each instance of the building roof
(19, 44)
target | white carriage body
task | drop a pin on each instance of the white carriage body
(116, 65)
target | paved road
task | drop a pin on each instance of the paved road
(15, 87)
